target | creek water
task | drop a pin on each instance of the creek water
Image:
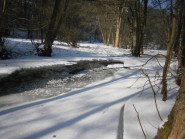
(30, 85)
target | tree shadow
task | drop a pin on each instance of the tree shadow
(67, 123)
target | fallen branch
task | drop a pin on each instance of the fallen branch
(145, 63)
(140, 122)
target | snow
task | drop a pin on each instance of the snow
(93, 111)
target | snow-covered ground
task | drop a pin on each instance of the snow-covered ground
(102, 110)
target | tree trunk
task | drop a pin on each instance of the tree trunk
(169, 55)
(2, 24)
(42, 35)
(63, 14)
(136, 50)
(118, 24)
(113, 38)
(180, 20)
(50, 32)
(143, 25)
(106, 33)
(178, 126)
(109, 34)
(101, 30)
(140, 18)
(175, 127)
(181, 51)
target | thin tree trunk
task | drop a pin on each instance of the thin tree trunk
(168, 56)
(118, 24)
(101, 30)
(42, 35)
(181, 53)
(133, 38)
(180, 20)
(109, 34)
(2, 20)
(113, 38)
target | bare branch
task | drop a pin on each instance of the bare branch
(140, 122)
(153, 93)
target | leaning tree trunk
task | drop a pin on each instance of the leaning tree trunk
(169, 55)
(175, 127)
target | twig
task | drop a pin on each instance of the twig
(135, 82)
(140, 122)
(153, 93)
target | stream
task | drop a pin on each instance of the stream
(32, 84)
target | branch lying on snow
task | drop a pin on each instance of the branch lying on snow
(153, 93)
(140, 122)
(155, 56)
(158, 55)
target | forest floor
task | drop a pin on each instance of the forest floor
(102, 109)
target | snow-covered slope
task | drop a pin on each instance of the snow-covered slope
(102, 110)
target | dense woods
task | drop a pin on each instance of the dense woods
(120, 23)
(129, 24)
